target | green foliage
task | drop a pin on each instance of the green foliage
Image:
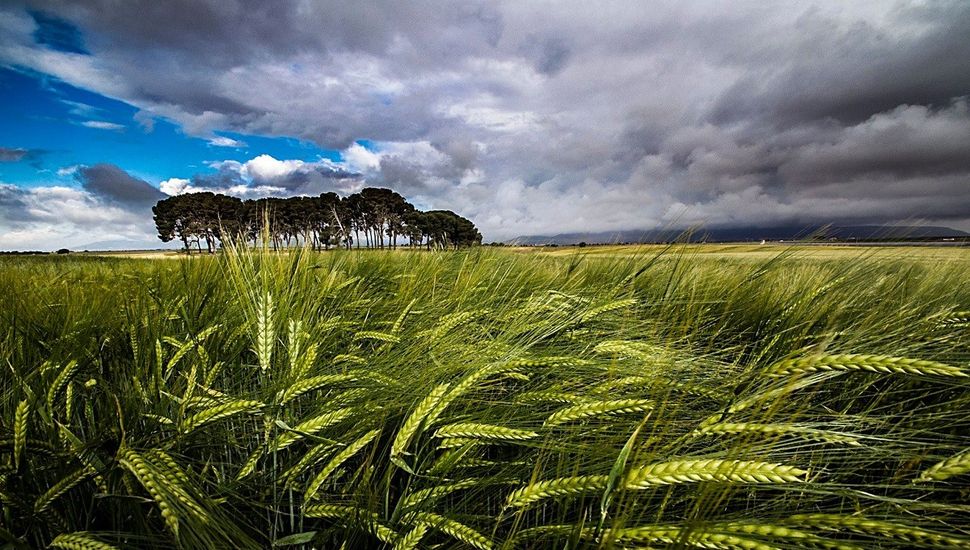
(484, 399)
(376, 215)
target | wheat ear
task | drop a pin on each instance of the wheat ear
(597, 408)
(64, 485)
(779, 429)
(351, 515)
(336, 461)
(681, 537)
(689, 471)
(865, 526)
(471, 430)
(767, 530)
(415, 420)
(142, 472)
(606, 308)
(219, 412)
(549, 361)
(176, 482)
(375, 335)
(433, 493)
(957, 464)
(665, 473)
(301, 387)
(956, 319)
(464, 386)
(411, 540)
(333, 511)
(79, 541)
(565, 486)
(459, 531)
(21, 416)
(396, 327)
(448, 322)
(868, 363)
(349, 358)
(628, 348)
(265, 333)
(60, 382)
(35, 445)
(183, 348)
(249, 466)
(314, 455)
(457, 442)
(310, 427)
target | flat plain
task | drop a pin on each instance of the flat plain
(707, 396)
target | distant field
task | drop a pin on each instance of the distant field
(727, 251)
(701, 396)
(766, 251)
(140, 254)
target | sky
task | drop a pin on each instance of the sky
(526, 117)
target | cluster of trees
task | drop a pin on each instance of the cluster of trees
(374, 218)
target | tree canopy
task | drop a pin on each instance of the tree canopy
(374, 218)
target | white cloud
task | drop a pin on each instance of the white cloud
(102, 125)
(222, 141)
(174, 186)
(360, 159)
(52, 217)
(420, 152)
(65, 171)
(265, 167)
(265, 175)
(364, 160)
(491, 118)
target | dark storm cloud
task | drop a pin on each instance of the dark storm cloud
(223, 179)
(33, 157)
(112, 184)
(11, 155)
(402, 175)
(851, 72)
(13, 204)
(301, 178)
(906, 142)
(549, 55)
(194, 43)
(462, 154)
(266, 176)
(580, 116)
(232, 32)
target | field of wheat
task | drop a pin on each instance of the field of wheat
(484, 399)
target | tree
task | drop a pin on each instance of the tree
(194, 217)
(416, 228)
(382, 215)
(326, 219)
(445, 229)
(175, 219)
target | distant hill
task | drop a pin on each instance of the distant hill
(742, 234)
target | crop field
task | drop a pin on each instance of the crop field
(644, 397)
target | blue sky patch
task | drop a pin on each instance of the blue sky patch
(62, 126)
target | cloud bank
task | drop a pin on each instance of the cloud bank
(543, 118)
